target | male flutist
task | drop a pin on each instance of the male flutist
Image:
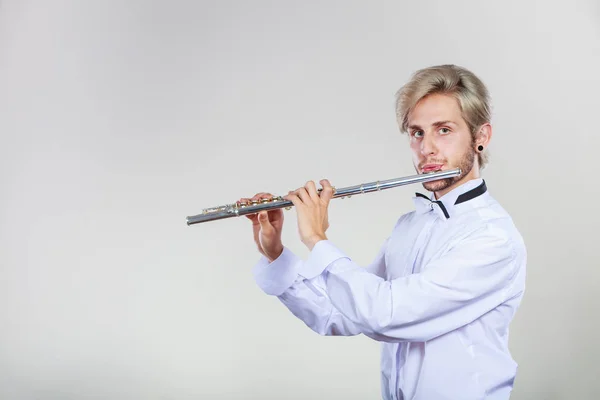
(447, 281)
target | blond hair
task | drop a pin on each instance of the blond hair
(470, 92)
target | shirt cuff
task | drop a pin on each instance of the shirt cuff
(323, 254)
(276, 277)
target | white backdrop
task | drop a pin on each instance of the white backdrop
(120, 118)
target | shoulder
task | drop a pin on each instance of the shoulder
(404, 218)
(406, 222)
(492, 221)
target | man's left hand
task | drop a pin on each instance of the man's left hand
(311, 208)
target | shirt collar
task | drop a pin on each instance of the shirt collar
(445, 205)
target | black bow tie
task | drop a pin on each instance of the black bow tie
(425, 206)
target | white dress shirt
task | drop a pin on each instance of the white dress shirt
(439, 295)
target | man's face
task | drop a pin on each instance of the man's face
(440, 140)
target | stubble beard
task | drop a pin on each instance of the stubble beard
(465, 164)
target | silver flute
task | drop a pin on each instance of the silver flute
(254, 207)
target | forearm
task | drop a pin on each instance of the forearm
(306, 300)
(449, 293)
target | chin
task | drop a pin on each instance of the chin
(436, 186)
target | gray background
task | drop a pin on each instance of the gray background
(120, 118)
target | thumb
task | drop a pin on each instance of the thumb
(265, 224)
(328, 191)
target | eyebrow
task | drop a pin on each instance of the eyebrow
(436, 124)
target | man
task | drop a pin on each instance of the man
(447, 281)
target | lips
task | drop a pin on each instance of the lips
(431, 167)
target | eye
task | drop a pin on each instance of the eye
(444, 131)
(417, 134)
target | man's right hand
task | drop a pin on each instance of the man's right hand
(267, 226)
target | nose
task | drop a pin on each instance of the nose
(428, 145)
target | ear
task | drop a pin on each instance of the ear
(483, 136)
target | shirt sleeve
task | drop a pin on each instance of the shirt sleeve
(275, 277)
(470, 279)
(308, 299)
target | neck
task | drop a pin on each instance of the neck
(473, 174)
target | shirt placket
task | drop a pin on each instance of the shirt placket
(401, 352)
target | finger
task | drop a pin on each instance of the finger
(261, 195)
(304, 196)
(243, 202)
(293, 197)
(252, 217)
(312, 191)
(265, 224)
(256, 197)
(327, 192)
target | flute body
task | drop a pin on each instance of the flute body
(237, 210)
